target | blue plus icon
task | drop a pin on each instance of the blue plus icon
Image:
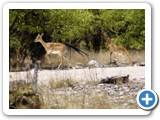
(147, 99)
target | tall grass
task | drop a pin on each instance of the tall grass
(75, 59)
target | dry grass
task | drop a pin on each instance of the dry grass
(138, 56)
(57, 84)
(68, 94)
(102, 57)
(67, 98)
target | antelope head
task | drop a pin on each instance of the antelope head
(39, 38)
(109, 40)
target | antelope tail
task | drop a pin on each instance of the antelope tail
(77, 50)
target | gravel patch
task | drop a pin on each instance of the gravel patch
(94, 74)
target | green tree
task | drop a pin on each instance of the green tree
(69, 25)
(23, 24)
(126, 26)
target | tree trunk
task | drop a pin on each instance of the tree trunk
(97, 40)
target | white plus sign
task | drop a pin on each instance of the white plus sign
(147, 99)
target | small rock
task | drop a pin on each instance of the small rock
(93, 63)
(116, 87)
(68, 93)
(131, 101)
(99, 91)
(101, 86)
(121, 97)
(125, 105)
(111, 93)
(125, 88)
(75, 92)
(104, 80)
(121, 93)
(79, 64)
(115, 79)
(139, 64)
(77, 67)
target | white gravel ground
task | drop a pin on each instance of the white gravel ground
(86, 74)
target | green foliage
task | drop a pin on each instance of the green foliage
(127, 26)
(22, 97)
(69, 24)
(77, 26)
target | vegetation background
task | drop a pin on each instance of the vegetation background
(82, 28)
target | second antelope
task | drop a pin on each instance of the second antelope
(116, 49)
(56, 48)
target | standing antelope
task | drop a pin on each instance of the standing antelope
(116, 49)
(56, 48)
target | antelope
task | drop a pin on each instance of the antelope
(116, 49)
(56, 48)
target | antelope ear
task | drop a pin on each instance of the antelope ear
(109, 40)
(42, 34)
(105, 35)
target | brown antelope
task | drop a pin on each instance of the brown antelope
(56, 48)
(116, 49)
